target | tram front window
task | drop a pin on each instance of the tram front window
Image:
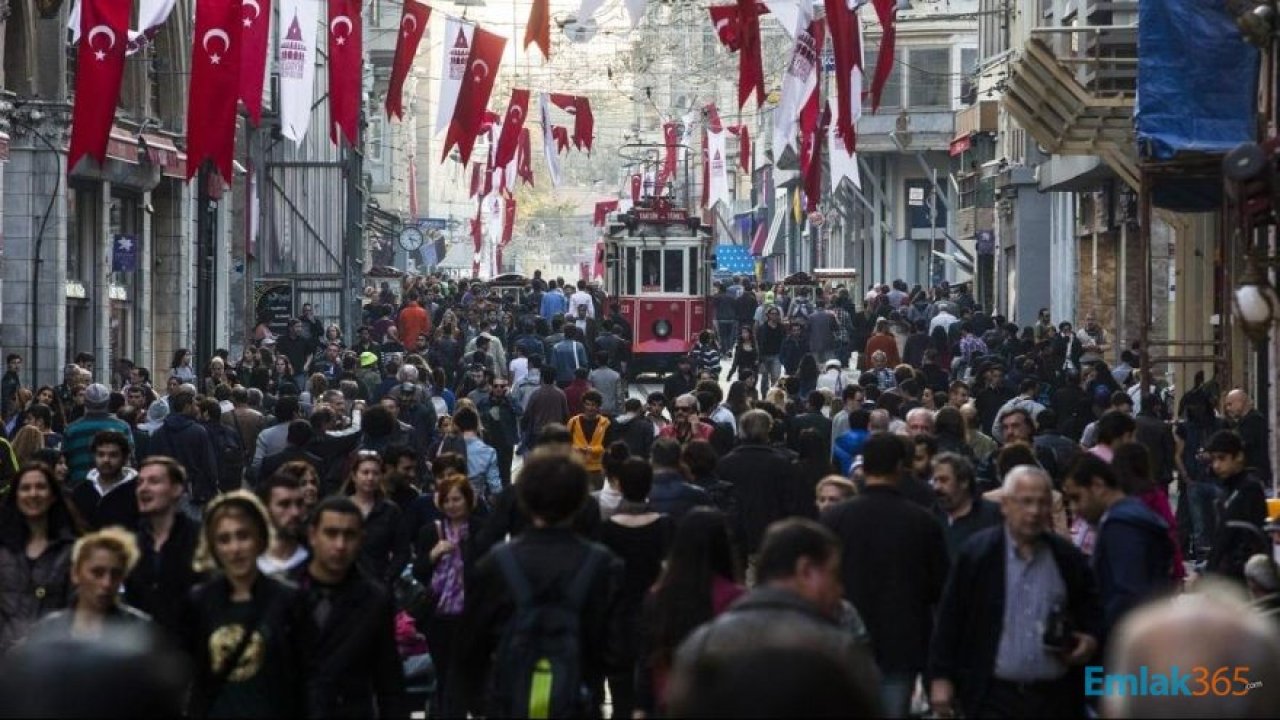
(651, 278)
(673, 278)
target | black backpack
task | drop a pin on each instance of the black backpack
(538, 673)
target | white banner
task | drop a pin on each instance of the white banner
(843, 165)
(453, 68)
(549, 142)
(798, 82)
(297, 63)
(717, 170)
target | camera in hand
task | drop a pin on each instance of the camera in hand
(1059, 634)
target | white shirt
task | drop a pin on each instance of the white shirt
(581, 297)
(943, 319)
(268, 565)
(519, 369)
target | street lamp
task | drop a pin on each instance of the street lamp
(1256, 303)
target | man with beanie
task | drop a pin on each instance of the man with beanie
(77, 441)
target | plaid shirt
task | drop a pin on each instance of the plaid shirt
(971, 345)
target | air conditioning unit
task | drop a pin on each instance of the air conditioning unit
(993, 168)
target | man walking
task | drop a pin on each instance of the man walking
(894, 567)
(354, 668)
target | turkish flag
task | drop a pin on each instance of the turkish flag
(744, 146)
(413, 21)
(603, 208)
(473, 97)
(477, 178)
(104, 31)
(255, 34)
(346, 64)
(215, 82)
(539, 28)
(508, 222)
(725, 19)
(584, 121)
(477, 239)
(524, 158)
(813, 176)
(750, 67)
(512, 125)
(847, 52)
(887, 12)
(637, 181)
(561, 134)
(671, 135)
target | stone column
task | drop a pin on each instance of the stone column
(35, 239)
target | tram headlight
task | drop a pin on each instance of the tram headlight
(662, 329)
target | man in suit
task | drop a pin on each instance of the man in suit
(1020, 615)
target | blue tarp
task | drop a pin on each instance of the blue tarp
(1197, 79)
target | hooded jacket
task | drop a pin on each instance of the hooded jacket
(636, 431)
(186, 441)
(1131, 558)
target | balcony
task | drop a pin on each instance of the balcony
(1073, 89)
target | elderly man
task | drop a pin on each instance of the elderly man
(1252, 429)
(919, 422)
(1202, 630)
(1019, 616)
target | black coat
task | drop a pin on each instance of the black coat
(207, 612)
(161, 580)
(549, 558)
(971, 615)
(352, 661)
(185, 440)
(894, 566)
(384, 550)
(763, 479)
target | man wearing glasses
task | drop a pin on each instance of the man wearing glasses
(686, 426)
(501, 420)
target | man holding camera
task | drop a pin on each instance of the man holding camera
(1020, 615)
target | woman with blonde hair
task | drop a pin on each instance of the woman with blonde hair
(100, 562)
(26, 444)
(243, 629)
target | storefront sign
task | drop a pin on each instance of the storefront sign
(273, 302)
(124, 253)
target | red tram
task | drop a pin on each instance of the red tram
(657, 267)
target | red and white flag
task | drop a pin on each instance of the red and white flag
(798, 81)
(744, 146)
(750, 64)
(603, 208)
(561, 135)
(813, 176)
(512, 125)
(671, 136)
(538, 31)
(104, 25)
(215, 81)
(477, 239)
(637, 180)
(524, 158)
(457, 49)
(843, 164)
(346, 66)
(413, 21)
(846, 49)
(548, 139)
(473, 96)
(255, 39)
(583, 121)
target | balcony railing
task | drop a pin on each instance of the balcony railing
(1073, 89)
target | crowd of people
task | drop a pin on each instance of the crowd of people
(886, 505)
